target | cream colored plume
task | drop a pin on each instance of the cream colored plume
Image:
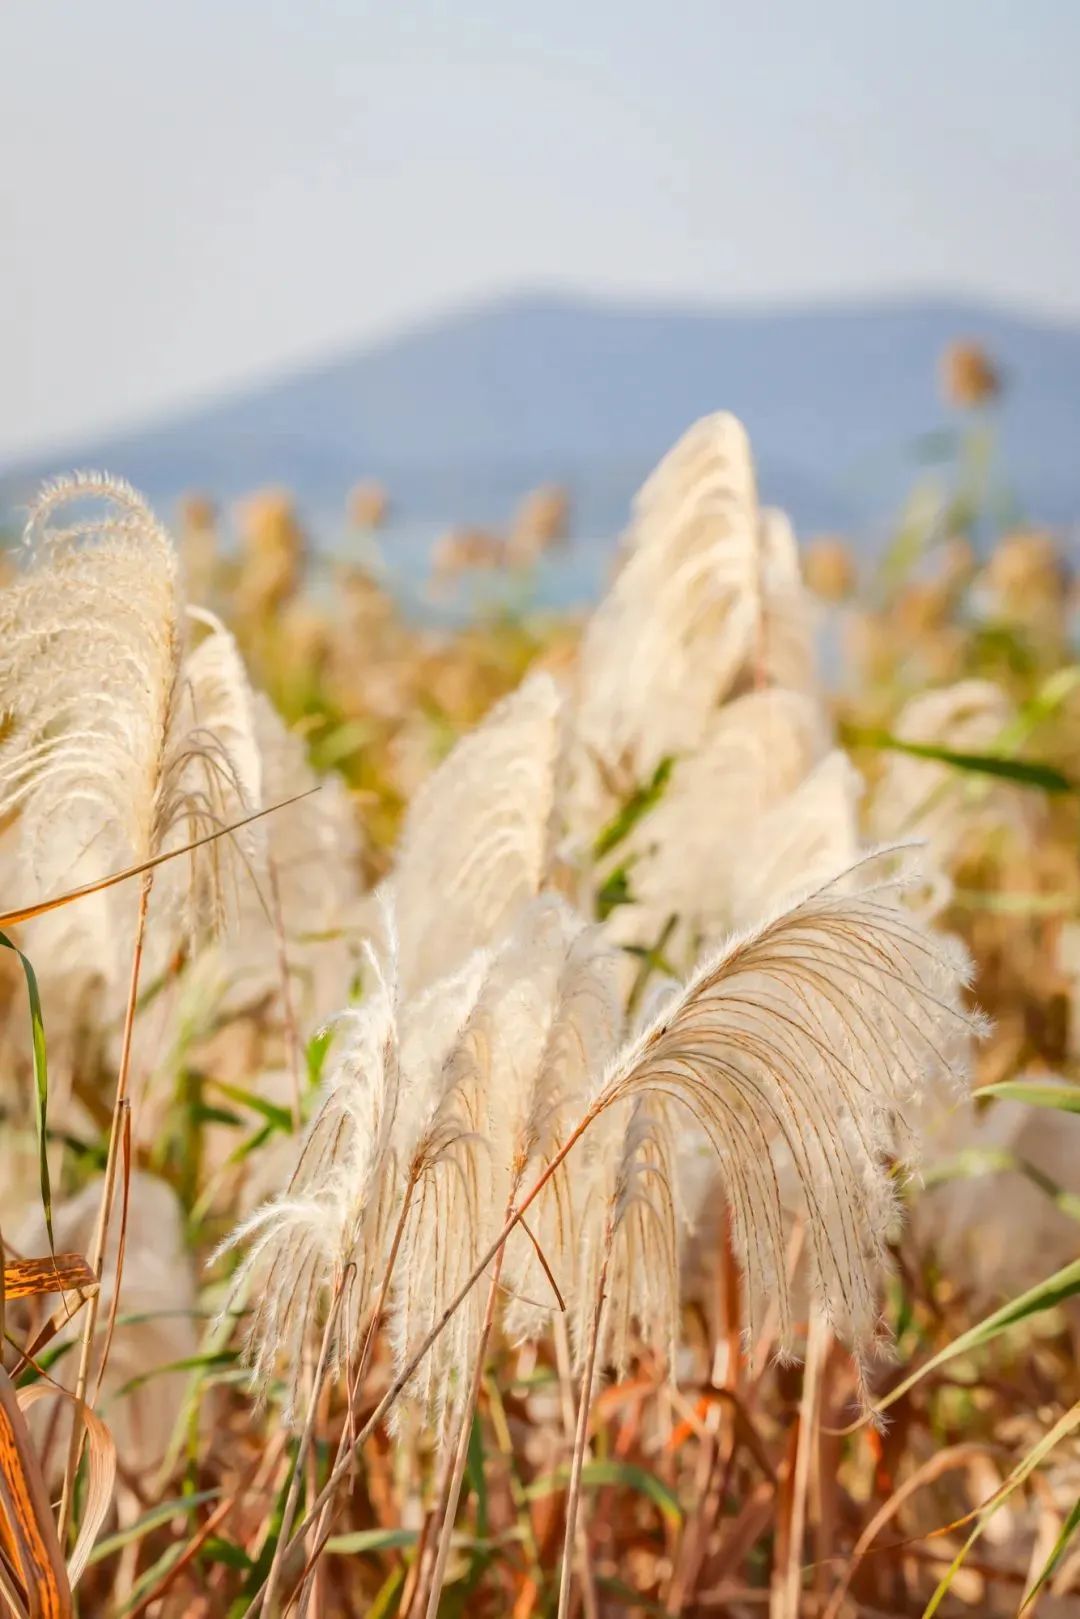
(708, 599)
(585, 1025)
(631, 1223)
(311, 853)
(815, 1037)
(331, 1222)
(688, 856)
(955, 811)
(496, 1107)
(797, 842)
(475, 840)
(90, 644)
(120, 742)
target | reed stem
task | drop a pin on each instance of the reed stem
(101, 1233)
(461, 1454)
(581, 1435)
(273, 1579)
(322, 1531)
(403, 1378)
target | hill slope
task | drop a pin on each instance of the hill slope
(461, 415)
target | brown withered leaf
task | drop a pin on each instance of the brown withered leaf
(59, 1273)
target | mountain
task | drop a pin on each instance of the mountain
(461, 415)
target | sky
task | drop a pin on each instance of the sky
(197, 195)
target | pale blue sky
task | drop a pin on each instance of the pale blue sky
(196, 192)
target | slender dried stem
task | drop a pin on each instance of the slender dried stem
(273, 1579)
(288, 1010)
(461, 1453)
(101, 1234)
(570, 1421)
(418, 1582)
(404, 1377)
(581, 1436)
(322, 1531)
(788, 1590)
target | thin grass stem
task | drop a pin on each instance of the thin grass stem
(101, 1235)
(581, 1435)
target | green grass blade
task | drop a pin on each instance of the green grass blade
(41, 1082)
(624, 1475)
(1064, 1284)
(278, 1116)
(1068, 1530)
(1024, 772)
(366, 1541)
(1061, 1429)
(1066, 1098)
(974, 1162)
(640, 802)
(163, 1513)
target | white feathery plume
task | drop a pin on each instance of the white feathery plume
(814, 1036)
(316, 847)
(118, 742)
(475, 839)
(952, 810)
(584, 1029)
(712, 451)
(211, 773)
(90, 646)
(630, 1219)
(447, 1180)
(335, 1213)
(797, 842)
(315, 856)
(706, 599)
(685, 857)
(786, 611)
(485, 1106)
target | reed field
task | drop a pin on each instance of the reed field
(568, 1114)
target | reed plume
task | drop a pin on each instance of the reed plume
(326, 1232)
(122, 739)
(476, 834)
(816, 1034)
(954, 812)
(628, 1290)
(708, 601)
(119, 743)
(798, 841)
(687, 856)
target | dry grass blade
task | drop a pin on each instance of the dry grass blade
(55, 1273)
(29, 1531)
(101, 1470)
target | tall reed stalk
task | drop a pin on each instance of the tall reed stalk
(408, 1371)
(461, 1451)
(581, 1435)
(101, 1232)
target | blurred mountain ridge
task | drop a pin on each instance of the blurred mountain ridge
(460, 415)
